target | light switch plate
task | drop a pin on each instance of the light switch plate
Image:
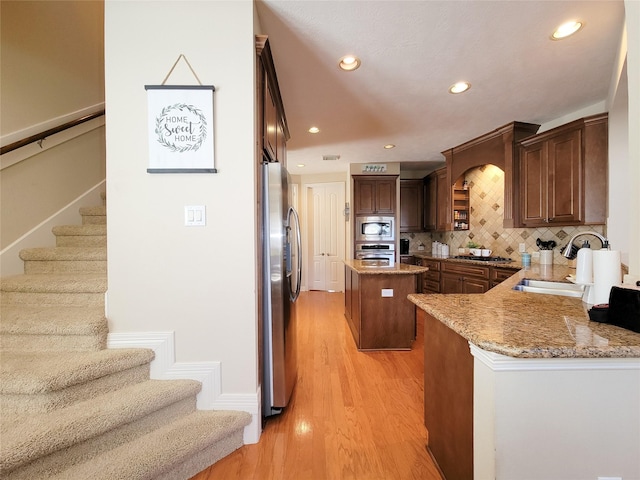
(387, 292)
(195, 216)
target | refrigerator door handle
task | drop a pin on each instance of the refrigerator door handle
(294, 293)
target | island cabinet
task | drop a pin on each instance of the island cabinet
(448, 398)
(563, 175)
(411, 205)
(377, 310)
(374, 195)
(464, 278)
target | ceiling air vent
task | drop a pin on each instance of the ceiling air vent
(330, 157)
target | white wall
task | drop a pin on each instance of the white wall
(632, 14)
(196, 281)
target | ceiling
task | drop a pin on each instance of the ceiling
(411, 52)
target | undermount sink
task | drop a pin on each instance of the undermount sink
(550, 288)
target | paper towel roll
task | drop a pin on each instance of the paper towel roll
(606, 274)
(584, 266)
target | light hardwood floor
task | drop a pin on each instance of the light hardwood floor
(353, 415)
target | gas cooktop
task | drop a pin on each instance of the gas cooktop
(481, 259)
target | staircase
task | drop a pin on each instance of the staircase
(73, 409)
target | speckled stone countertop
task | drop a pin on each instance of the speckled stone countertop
(396, 269)
(529, 325)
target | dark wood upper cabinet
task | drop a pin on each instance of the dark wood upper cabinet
(444, 213)
(430, 202)
(411, 205)
(374, 195)
(500, 148)
(272, 119)
(563, 175)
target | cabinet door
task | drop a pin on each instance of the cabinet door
(474, 285)
(364, 194)
(430, 202)
(443, 201)
(385, 196)
(281, 144)
(411, 205)
(270, 123)
(565, 178)
(533, 184)
(450, 283)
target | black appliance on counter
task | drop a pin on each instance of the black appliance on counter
(404, 246)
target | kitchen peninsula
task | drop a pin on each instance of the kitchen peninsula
(522, 385)
(376, 306)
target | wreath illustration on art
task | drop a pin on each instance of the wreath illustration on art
(181, 128)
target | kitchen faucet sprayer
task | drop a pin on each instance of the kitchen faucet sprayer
(570, 250)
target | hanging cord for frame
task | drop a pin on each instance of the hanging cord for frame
(174, 66)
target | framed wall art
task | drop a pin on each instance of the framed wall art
(180, 128)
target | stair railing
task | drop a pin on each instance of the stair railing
(40, 137)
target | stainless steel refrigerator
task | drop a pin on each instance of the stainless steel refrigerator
(282, 272)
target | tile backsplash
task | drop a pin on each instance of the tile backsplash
(486, 198)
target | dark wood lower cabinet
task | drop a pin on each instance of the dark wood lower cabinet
(380, 322)
(459, 278)
(448, 398)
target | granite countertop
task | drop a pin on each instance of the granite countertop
(530, 325)
(397, 268)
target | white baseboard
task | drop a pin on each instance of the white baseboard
(164, 367)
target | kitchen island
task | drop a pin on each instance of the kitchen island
(376, 306)
(522, 385)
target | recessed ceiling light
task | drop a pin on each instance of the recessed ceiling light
(459, 87)
(313, 130)
(389, 146)
(300, 165)
(566, 29)
(348, 63)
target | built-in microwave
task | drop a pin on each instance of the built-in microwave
(379, 229)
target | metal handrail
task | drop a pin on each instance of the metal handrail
(47, 133)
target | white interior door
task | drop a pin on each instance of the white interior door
(326, 236)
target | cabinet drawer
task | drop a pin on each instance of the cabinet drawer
(501, 274)
(475, 270)
(432, 264)
(430, 286)
(432, 275)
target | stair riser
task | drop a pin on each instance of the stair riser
(71, 299)
(94, 220)
(51, 401)
(55, 463)
(52, 343)
(204, 458)
(65, 266)
(90, 241)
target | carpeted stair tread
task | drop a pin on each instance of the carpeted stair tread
(41, 372)
(52, 320)
(64, 254)
(39, 435)
(56, 283)
(154, 455)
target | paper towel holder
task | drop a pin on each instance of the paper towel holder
(568, 250)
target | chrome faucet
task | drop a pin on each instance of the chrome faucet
(570, 250)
